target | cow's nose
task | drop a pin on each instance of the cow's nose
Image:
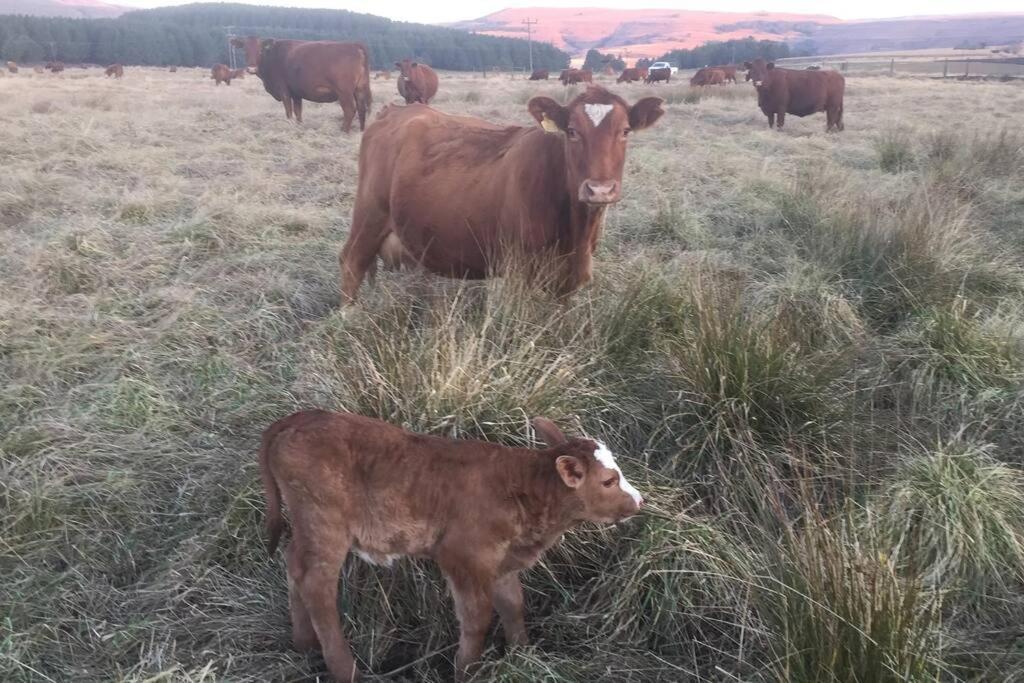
(594, 192)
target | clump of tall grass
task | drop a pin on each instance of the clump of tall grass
(956, 514)
(895, 151)
(840, 608)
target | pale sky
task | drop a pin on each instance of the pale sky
(456, 10)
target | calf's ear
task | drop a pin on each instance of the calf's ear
(645, 112)
(549, 433)
(570, 468)
(548, 113)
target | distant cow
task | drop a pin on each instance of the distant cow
(173, 69)
(630, 75)
(573, 76)
(221, 73)
(797, 92)
(238, 74)
(318, 71)
(728, 69)
(656, 75)
(12, 67)
(55, 67)
(708, 76)
(459, 191)
(38, 69)
(482, 511)
(115, 70)
(539, 75)
(416, 82)
(386, 75)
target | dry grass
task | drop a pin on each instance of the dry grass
(778, 322)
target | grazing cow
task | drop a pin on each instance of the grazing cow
(483, 512)
(574, 76)
(708, 76)
(797, 92)
(459, 192)
(539, 75)
(655, 75)
(728, 69)
(115, 70)
(416, 82)
(12, 67)
(237, 74)
(630, 75)
(55, 67)
(318, 71)
(221, 73)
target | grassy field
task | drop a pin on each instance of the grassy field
(807, 349)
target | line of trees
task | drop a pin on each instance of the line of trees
(196, 35)
(595, 61)
(728, 52)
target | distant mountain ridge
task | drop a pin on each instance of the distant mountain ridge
(74, 9)
(652, 33)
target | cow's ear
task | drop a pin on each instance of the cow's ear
(771, 65)
(571, 470)
(549, 432)
(266, 43)
(748, 65)
(548, 113)
(644, 113)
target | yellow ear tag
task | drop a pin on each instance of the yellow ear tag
(548, 125)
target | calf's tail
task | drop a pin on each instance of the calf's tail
(274, 521)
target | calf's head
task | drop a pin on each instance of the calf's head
(595, 126)
(589, 469)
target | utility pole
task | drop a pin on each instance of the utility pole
(529, 37)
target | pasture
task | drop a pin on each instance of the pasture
(807, 351)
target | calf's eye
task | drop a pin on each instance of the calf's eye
(626, 132)
(573, 135)
(608, 483)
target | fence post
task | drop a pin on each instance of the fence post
(967, 68)
(892, 66)
(945, 67)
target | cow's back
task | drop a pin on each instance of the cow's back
(806, 92)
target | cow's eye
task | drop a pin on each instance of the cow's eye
(626, 132)
(573, 134)
(608, 483)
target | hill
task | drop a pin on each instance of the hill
(652, 33)
(196, 35)
(76, 9)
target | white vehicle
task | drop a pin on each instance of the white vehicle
(663, 65)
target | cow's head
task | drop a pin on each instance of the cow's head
(589, 469)
(757, 71)
(253, 47)
(595, 126)
(405, 67)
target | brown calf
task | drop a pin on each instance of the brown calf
(416, 82)
(629, 76)
(655, 75)
(539, 75)
(115, 70)
(12, 67)
(483, 512)
(221, 73)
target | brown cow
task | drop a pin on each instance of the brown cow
(574, 76)
(708, 76)
(539, 75)
(416, 82)
(483, 512)
(221, 73)
(630, 75)
(318, 71)
(459, 192)
(115, 70)
(55, 67)
(656, 75)
(797, 92)
(12, 67)
(237, 74)
(728, 69)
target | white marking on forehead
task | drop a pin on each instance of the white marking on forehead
(605, 457)
(597, 112)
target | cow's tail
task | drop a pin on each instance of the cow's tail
(274, 521)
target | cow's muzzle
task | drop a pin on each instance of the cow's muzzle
(599, 192)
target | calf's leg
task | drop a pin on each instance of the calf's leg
(303, 634)
(316, 576)
(474, 609)
(507, 596)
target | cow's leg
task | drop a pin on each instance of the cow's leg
(348, 110)
(362, 107)
(316, 575)
(508, 601)
(369, 228)
(839, 118)
(474, 609)
(303, 634)
(782, 119)
(771, 119)
(287, 99)
(297, 107)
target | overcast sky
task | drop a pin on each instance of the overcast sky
(454, 10)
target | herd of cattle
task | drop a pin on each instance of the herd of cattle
(534, 190)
